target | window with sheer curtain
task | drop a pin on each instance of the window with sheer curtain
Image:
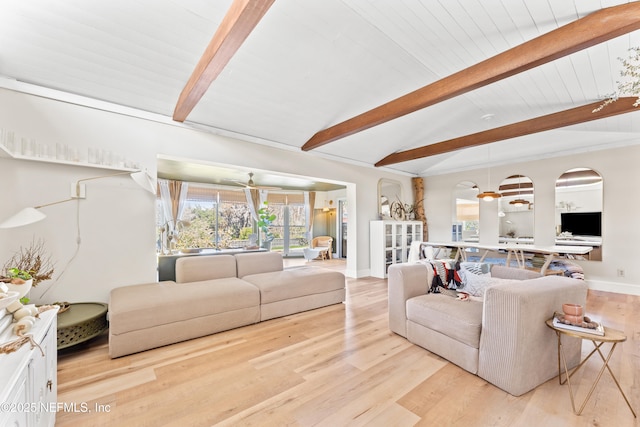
(220, 217)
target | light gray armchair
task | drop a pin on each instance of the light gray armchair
(502, 339)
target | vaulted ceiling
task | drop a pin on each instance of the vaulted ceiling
(309, 65)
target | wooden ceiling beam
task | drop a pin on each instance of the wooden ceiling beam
(523, 186)
(241, 18)
(591, 30)
(557, 120)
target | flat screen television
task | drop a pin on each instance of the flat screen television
(582, 223)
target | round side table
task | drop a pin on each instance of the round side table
(612, 336)
(81, 322)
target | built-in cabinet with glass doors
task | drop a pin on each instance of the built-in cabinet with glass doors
(390, 242)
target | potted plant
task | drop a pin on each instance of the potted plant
(27, 268)
(266, 219)
(19, 281)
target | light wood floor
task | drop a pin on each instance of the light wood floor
(335, 366)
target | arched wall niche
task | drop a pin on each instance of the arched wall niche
(389, 191)
(466, 212)
(579, 213)
(516, 210)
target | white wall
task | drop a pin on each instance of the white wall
(621, 234)
(117, 219)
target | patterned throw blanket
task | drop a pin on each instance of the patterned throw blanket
(445, 275)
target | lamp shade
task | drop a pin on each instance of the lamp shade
(24, 217)
(143, 179)
(519, 202)
(488, 196)
(30, 215)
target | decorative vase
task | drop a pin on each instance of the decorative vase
(22, 289)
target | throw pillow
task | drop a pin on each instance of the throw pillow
(477, 284)
(476, 267)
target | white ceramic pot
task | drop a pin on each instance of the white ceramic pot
(22, 289)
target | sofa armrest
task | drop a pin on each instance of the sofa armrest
(405, 281)
(518, 351)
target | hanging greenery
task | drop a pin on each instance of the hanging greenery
(266, 219)
(629, 85)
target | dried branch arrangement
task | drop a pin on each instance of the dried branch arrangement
(629, 85)
(33, 260)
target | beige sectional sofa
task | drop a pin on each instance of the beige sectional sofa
(502, 338)
(213, 294)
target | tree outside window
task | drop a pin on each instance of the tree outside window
(220, 218)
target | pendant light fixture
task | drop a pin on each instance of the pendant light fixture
(488, 195)
(519, 202)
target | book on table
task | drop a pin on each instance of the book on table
(599, 330)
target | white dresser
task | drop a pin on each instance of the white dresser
(28, 379)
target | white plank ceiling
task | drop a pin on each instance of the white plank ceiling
(310, 64)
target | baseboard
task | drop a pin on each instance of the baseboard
(616, 287)
(357, 274)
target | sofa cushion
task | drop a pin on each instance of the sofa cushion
(205, 267)
(295, 282)
(258, 262)
(149, 305)
(460, 320)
